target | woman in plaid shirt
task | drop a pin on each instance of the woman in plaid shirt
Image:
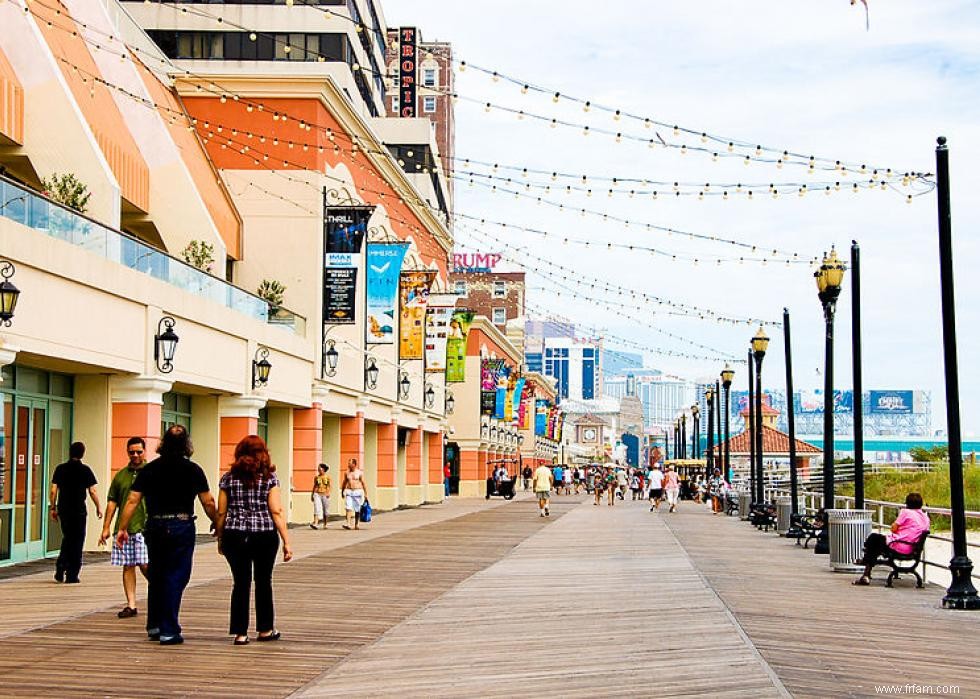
(249, 525)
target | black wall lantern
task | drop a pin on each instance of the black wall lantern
(370, 372)
(330, 358)
(450, 403)
(404, 385)
(430, 395)
(261, 366)
(165, 345)
(8, 293)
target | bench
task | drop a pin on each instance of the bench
(807, 526)
(904, 562)
(731, 503)
(762, 515)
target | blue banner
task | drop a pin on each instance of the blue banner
(384, 266)
(501, 404)
(541, 418)
(518, 390)
(890, 402)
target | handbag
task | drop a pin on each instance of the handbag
(365, 515)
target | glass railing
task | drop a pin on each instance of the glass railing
(45, 216)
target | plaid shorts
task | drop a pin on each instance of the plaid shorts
(132, 554)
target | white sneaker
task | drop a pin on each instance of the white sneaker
(541, 513)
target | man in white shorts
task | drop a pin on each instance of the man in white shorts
(544, 479)
(655, 481)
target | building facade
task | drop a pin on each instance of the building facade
(498, 296)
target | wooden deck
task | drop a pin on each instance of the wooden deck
(487, 599)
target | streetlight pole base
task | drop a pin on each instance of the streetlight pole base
(961, 593)
(822, 547)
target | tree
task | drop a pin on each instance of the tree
(68, 190)
(927, 454)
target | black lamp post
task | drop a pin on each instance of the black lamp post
(719, 457)
(727, 376)
(684, 436)
(791, 424)
(696, 437)
(961, 593)
(829, 278)
(760, 343)
(8, 293)
(709, 397)
(858, 379)
(261, 368)
(750, 425)
(165, 345)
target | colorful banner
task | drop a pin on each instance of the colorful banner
(384, 266)
(515, 402)
(437, 319)
(493, 381)
(459, 326)
(541, 417)
(408, 71)
(413, 296)
(343, 234)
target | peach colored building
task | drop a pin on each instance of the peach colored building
(241, 163)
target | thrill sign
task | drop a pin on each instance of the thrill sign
(408, 69)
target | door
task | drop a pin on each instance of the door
(29, 486)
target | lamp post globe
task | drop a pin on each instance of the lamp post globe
(8, 293)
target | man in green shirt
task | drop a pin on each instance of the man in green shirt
(133, 553)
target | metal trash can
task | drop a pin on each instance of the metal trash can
(744, 503)
(784, 508)
(848, 530)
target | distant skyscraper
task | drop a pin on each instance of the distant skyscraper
(575, 364)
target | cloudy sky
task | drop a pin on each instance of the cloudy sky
(802, 76)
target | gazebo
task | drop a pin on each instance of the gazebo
(775, 444)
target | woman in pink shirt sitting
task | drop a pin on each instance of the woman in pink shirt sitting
(907, 529)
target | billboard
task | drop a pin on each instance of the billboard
(408, 71)
(811, 402)
(890, 402)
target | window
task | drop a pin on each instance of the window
(499, 316)
(429, 104)
(499, 290)
(460, 288)
(429, 77)
(394, 105)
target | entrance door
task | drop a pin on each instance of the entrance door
(29, 468)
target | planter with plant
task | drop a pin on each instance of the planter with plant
(68, 190)
(199, 254)
(271, 291)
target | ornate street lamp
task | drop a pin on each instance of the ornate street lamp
(331, 356)
(404, 386)
(430, 395)
(165, 344)
(261, 367)
(8, 293)
(829, 278)
(450, 403)
(709, 397)
(684, 436)
(371, 372)
(760, 343)
(727, 376)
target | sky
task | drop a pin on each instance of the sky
(808, 77)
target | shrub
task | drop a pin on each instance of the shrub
(271, 291)
(68, 190)
(200, 254)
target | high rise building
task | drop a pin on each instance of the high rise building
(616, 362)
(661, 396)
(575, 365)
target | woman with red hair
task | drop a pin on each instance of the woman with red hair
(249, 525)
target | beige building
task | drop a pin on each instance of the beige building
(241, 163)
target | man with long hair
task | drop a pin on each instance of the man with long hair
(169, 483)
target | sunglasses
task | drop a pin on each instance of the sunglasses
(135, 452)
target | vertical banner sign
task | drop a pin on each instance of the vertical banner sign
(459, 325)
(343, 235)
(413, 295)
(408, 70)
(491, 375)
(437, 320)
(384, 266)
(516, 405)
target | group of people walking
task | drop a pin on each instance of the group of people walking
(150, 520)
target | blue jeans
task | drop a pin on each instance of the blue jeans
(170, 543)
(446, 481)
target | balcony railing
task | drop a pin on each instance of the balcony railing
(35, 211)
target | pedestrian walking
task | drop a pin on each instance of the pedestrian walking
(559, 476)
(169, 483)
(133, 555)
(354, 492)
(320, 496)
(544, 479)
(611, 486)
(446, 474)
(526, 474)
(249, 526)
(567, 480)
(716, 490)
(656, 481)
(672, 486)
(621, 483)
(66, 501)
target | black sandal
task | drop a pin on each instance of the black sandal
(863, 580)
(274, 636)
(241, 643)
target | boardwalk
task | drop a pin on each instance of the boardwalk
(488, 599)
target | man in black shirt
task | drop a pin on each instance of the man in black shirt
(66, 501)
(170, 483)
